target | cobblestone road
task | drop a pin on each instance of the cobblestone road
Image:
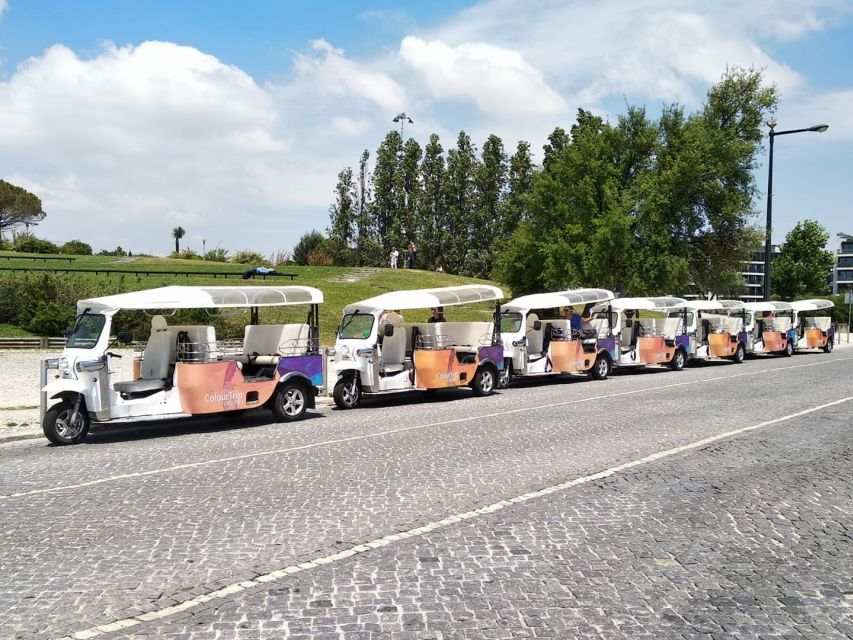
(744, 537)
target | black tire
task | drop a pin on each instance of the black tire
(828, 347)
(505, 376)
(347, 393)
(484, 381)
(740, 353)
(789, 349)
(57, 427)
(290, 401)
(678, 359)
(602, 367)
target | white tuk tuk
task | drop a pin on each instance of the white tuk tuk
(713, 333)
(813, 332)
(538, 340)
(183, 370)
(769, 327)
(377, 352)
(641, 331)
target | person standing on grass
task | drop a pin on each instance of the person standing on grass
(394, 255)
(413, 254)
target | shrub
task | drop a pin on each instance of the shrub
(246, 256)
(309, 242)
(28, 243)
(51, 319)
(319, 258)
(118, 251)
(282, 256)
(186, 254)
(76, 248)
(217, 255)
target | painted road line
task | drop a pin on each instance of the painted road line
(421, 530)
(379, 434)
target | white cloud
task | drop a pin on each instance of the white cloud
(350, 126)
(832, 107)
(3, 6)
(332, 74)
(499, 81)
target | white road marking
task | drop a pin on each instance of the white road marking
(379, 434)
(273, 576)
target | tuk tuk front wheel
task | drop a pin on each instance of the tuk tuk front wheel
(677, 363)
(290, 402)
(347, 393)
(740, 354)
(484, 381)
(505, 376)
(828, 347)
(601, 368)
(789, 349)
(59, 427)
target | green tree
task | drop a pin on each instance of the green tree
(490, 176)
(406, 226)
(803, 265)
(519, 183)
(177, 234)
(77, 248)
(432, 206)
(461, 200)
(386, 190)
(367, 247)
(343, 220)
(18, 207)
(307, 244)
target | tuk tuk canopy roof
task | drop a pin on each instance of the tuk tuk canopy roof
(426, 298)
(179, 297)
(650, 304)
(811, 305)
(556, 299)
(767, 306)
(714, 305)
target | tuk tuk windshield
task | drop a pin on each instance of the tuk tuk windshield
(510, 322)
(87, 329)
(356, 326)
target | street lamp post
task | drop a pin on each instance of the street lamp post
(819, 128)
(402, 118)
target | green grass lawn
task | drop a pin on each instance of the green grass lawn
(11, 331)
(332, 281)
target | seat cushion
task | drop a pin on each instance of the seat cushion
(139, 386)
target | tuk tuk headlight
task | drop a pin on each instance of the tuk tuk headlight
(365, 353)
(344, 352)
(66, 370)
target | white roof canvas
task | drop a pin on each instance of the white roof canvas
(427, 298)
(811, 305)
(556, 299)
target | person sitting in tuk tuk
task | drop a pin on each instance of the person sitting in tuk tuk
(573, 318)
(437, 315)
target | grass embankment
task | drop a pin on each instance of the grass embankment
(340, 286)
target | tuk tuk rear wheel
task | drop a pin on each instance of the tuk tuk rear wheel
(484, 381)
(677, 363)
(290, 402)
(59, 428)
(347, 393)
(740, 354)
(601, 369)
(828, 347)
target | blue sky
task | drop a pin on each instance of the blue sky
(233, 119)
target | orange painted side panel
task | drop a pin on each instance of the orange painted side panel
(137, 369)
(721, 345)
(773, 341)
(440, 370)
(654, 350)
(816, 339)
(213, 387)
(569, 356)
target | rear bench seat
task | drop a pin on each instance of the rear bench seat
(264, 344)
(460, 336)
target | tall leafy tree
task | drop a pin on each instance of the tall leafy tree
(342, 214)
(18, 207)
(803, 265)
(177, 234)
(519, 181)
(460, 194)
(432, 231)
(367, 248)
(409, 190)
(387, 190)
(490, 177)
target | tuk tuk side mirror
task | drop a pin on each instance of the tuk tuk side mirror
(124, 337)
(537, 325)
(388, 330)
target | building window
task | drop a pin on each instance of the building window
(846, 261)
(844, 274)
(846, 247)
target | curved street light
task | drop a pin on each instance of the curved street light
(402, 118)
(818, 128)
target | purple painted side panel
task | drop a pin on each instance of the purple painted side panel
(742, 337)
(311, 366)
(683, 341)
(609, 344)
(831, 332)
(493, 353)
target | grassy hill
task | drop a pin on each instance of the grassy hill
(340, 286)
